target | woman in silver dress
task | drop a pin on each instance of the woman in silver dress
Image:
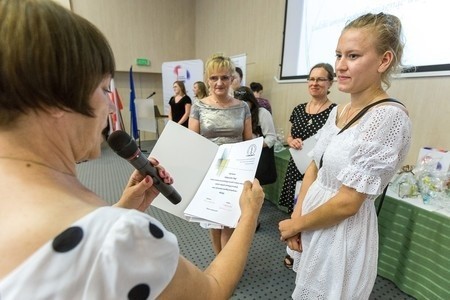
(223, 120)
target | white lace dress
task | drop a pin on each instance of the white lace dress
(340, 262)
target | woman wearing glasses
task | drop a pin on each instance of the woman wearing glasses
(223, 120)
(306, 119)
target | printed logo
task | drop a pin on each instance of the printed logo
(181, 73)
(251, 150)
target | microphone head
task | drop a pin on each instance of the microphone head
(122, 143)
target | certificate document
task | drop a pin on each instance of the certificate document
(301, 157)
(208, 177)
(217, 199)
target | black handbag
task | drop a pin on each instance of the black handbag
(266, 172)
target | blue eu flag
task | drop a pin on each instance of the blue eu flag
(133, 117)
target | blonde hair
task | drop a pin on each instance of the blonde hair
(387, 30)
(203, 91)
(218, 62)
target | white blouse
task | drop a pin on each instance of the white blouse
(111, 253)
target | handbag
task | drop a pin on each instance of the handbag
(266, 172)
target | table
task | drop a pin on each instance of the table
(414, 247)
(273, 190)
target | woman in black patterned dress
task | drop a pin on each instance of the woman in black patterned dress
(306, 119)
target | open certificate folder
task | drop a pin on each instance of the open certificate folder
(208, 177)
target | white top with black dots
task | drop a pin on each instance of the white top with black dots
(111, 253)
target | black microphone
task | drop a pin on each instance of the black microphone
(126, 148)
(152, 94)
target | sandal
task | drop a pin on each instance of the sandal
(288, 262)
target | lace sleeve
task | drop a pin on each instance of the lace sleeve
(381, 143)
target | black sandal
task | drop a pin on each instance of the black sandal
(288, 262)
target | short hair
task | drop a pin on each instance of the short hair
(181, 85)
(387, 30)
(256, 87)
(246, 94)
(239, 71)
(327, 67)
(49, 57)
(203, 91)
(218, 62)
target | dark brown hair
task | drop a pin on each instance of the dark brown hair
(49, 57)
(245, 94)
(256, 87)
(181, 85)
(326, 67)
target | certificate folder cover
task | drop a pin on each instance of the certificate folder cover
(208, 177)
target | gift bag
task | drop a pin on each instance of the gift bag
(440, 158)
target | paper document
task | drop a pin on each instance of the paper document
(301, 157)
(208, 177)
(217, 199)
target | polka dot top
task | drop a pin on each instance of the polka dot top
(305, 125)
(111, 253)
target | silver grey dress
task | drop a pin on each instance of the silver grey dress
(221, 125)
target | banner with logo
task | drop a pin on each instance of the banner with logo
(188, 71)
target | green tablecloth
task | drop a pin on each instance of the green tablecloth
(273, 190)
(414, 249)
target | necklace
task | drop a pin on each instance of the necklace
(348, 115)
(310, 121)
(29, 162)
(224, 103)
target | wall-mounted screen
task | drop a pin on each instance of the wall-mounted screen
(312, 29)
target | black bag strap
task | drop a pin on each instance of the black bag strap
(365, 109)
(359, 115)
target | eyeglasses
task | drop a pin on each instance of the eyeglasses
(222, 78)
(318, 79)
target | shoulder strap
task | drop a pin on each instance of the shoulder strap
(365, 109)
(359, 115)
